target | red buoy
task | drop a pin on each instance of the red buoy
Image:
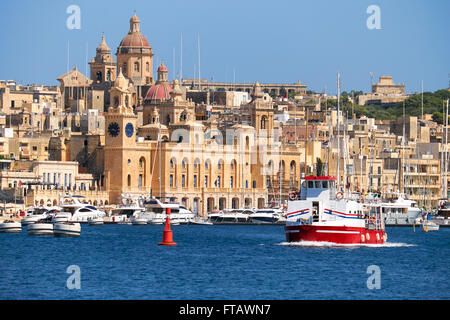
(167, 233)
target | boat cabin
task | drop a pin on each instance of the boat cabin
(321, 187)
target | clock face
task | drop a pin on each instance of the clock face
(113, 129)
(129, 130)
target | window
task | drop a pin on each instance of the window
(183, 178)
(147, 66)
(171, 180)
(218, 181)
(136, 66)
(310, 184)
(195, 181)
(140, 181)
(231, 182)
(129, 180)
(206, 181)
(246, 184)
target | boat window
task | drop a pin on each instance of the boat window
(91, 207)
(85, 210)
(325, 184)
(310, 184)
(317, 184)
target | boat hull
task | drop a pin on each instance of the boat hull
(67, 230)
(40, 229)
(334, 234)
(10, 227)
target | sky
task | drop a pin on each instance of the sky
(279, 41)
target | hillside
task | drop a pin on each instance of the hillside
(433, 103)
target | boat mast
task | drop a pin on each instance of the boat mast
(446, 153)
(338, 131)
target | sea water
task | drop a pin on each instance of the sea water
(221, 262)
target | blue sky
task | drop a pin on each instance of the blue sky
(255, 40)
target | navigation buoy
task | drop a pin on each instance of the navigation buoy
(167, 233)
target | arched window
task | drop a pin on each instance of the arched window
(129, 180)
(196, 163)
(247, 141)
(147, 66)
(172, 163)
(184, 163)
(292, 166)
(108, 76)
(99, 76)
(136, 66)
(263, 122)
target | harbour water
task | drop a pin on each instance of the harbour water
(221, 262)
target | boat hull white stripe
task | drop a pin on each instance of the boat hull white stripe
(338, 231)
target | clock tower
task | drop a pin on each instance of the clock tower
(120, 140)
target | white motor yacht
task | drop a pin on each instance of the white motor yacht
(400, 211)
(39, 213)
(67, 229)
(215, 216)
(128, 209)
(75, 210)
(267, 215)
(234, 216)
(95, 221)
(201, 221)
(155, 212)
(10, 226)
(42, 227)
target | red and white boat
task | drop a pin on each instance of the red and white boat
(321, 214)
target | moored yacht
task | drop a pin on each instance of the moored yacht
(39, 213)
(320, 213)
(266, 215)
(155, 212)
(10, 226)
(42, 227)
(234, 216)
(400, 211)
(75, 210)
(67, 229)
(128, 209)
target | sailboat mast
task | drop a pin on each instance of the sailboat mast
(403, 151)
(338, 129)
(446, 152)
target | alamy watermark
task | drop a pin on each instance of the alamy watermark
(74, 280)
(74, 20)
(374, 20)
(374, 280)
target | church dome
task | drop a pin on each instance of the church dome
(134, 38)
(159, 92)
